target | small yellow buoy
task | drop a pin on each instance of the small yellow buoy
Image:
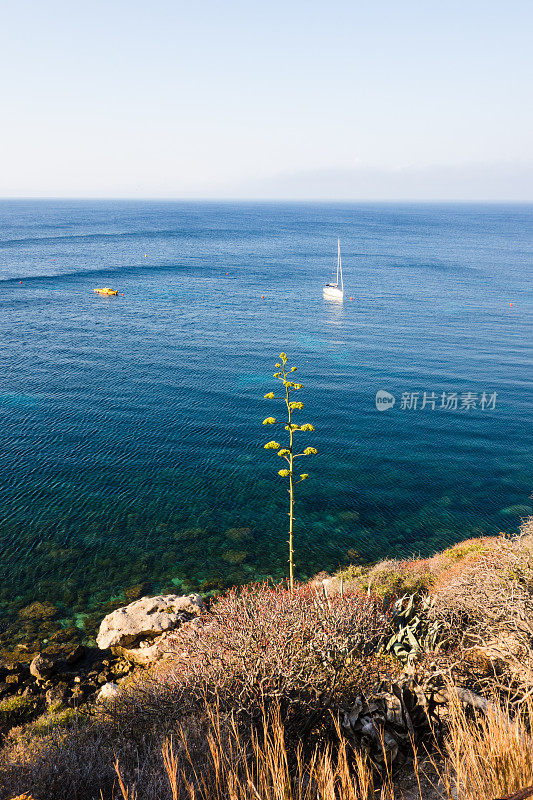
(146, 255)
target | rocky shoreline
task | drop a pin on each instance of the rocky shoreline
(383, 660)
(66, 673)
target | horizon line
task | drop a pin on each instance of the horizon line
(229, 199)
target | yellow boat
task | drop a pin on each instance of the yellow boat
(106, 290)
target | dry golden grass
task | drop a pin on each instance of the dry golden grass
(22, 797)
(489, 755)
(260, 767)
(485, 756)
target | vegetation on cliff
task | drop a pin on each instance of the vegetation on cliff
(405, 677)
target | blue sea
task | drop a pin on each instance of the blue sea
(131, 443)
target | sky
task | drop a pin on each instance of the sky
(397, 99)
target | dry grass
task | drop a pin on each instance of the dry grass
(387, 579)
(489, 755)
(391, 578)
(485, 756)
(260, 767)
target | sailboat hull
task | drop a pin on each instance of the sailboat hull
(333, 293)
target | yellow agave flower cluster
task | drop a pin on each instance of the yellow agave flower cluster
(285, 452)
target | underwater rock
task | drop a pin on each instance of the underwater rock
(147, 618)
(38, 611)
(234, 556)
(348, 516)
(69, 654)
(517, 511)
(134, 592)
(238, 534)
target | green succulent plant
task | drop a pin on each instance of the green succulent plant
(288, 452)
(415, 631)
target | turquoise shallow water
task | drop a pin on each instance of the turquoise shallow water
(130, 427)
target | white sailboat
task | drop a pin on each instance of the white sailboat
(335, 291)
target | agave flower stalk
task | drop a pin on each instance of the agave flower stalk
(288, 452)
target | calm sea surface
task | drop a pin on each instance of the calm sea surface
(130, 427)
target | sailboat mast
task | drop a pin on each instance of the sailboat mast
(339, 264)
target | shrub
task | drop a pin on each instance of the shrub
(264, 645)
(486, 604)
(60, 764)
(462, 549)
(390, 579)
(16, 710)
(54, 718)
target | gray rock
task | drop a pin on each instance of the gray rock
(57, 694)
(75, 654)
(147, 618)
(144, 655)
(41, 668)
(108, 692)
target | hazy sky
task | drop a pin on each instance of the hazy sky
(396, 98)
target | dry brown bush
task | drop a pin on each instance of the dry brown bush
(486, 605)
(262, 767)
(77, 764)
(257, 649)
(264, 645)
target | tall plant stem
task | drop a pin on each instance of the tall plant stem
(288, 453)
(291, 489)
